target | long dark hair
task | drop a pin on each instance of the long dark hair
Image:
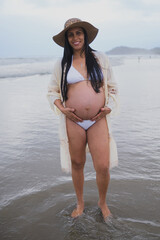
(93, 68)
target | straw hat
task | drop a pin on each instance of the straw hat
(76, 22)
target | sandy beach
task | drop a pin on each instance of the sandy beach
(37, 198)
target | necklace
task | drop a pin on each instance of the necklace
(81, 63)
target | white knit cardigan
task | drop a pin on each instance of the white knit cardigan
(111, 95)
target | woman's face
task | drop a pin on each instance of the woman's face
(76, 38)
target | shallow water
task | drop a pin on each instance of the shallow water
(46, 214)
(36, 198)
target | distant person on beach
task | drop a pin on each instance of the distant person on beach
(83, 92)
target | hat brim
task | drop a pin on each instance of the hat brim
(90, 29)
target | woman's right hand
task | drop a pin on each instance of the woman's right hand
(69, 112)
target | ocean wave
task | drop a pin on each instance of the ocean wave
(147, 222)
(22, 67)
(8, 199)
(26, 69)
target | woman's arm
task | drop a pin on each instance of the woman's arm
(54, 95)
(69, 112)
(113, 99)
(54, 87)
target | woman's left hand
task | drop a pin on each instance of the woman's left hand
(103, 112)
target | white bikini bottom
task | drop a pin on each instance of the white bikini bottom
(86, 124)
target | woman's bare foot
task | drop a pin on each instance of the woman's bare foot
(78, 211)
(105, 210)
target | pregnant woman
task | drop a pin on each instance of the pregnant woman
(84, 94)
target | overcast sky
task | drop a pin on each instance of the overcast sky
(27, 26)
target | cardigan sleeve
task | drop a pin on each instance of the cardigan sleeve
(113, 94)
(54, 87)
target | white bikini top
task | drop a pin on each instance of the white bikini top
(74, 76)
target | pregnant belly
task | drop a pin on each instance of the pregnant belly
(85, 101)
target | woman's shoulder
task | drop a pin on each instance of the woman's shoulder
(57, 64)
(57, 61)
(101, 56)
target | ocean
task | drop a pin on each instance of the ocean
(37, 198)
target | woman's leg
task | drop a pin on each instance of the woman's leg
(77, 146)
(98, 142)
